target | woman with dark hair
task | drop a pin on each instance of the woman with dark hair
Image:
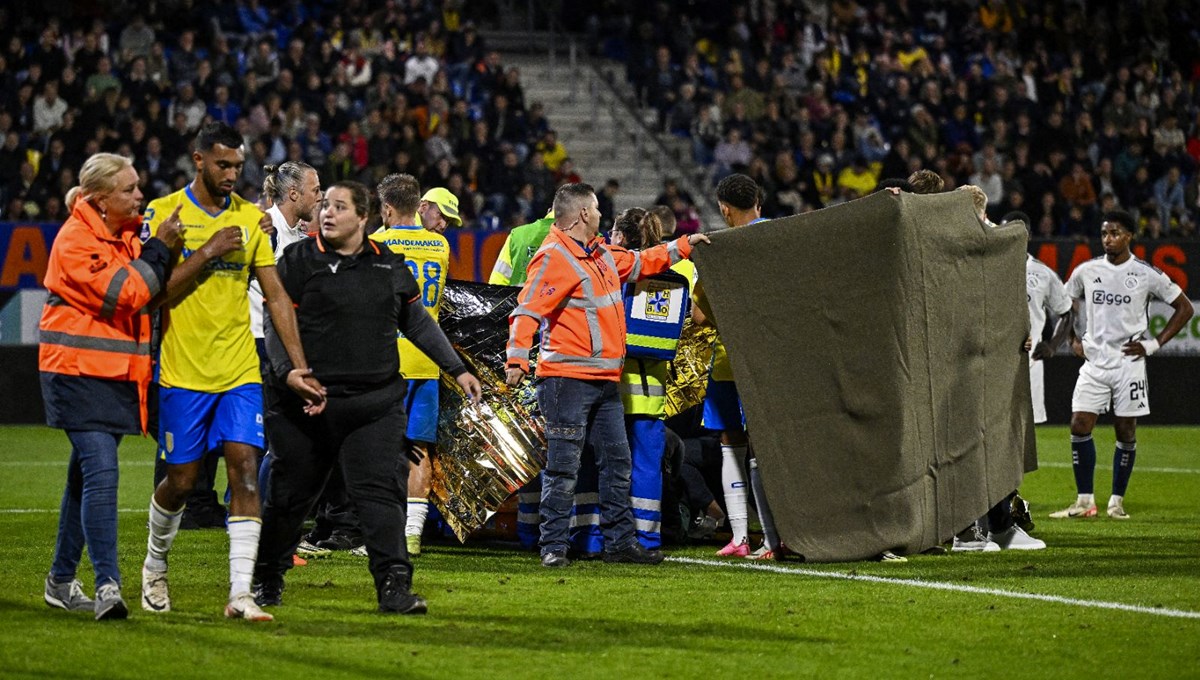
(643, 379)
(345, 286)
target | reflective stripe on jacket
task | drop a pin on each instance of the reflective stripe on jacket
(96, 323)
(644, 387)
(519, 247)
(574, 296)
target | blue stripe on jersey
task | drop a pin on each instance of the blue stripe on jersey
(192, 197)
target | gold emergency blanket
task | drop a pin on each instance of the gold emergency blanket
(485, 453)
(687, 379)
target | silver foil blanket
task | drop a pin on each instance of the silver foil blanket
(485, 453)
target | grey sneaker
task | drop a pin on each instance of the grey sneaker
(109, 604)
(702, 527)
(972, 539)
(68, 596)
(1016, 539)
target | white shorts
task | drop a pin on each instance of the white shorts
(1123, 387)
(1037, 389)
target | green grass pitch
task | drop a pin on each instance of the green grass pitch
(497, 613)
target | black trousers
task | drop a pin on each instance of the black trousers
(364, 435)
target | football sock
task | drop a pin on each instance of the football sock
(243, 550)
(418, 510)
(1123, 458)
(163, 527)
(770, 535)
(733, 482)
(1083, 462)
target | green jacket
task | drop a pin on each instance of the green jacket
(518, 250)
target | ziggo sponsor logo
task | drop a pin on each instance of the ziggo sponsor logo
(1101, 297)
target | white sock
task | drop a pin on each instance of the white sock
(1087, 499)
(418, 510)
(1115, 500)
(733, 482)
(243, 551)
(163, 527)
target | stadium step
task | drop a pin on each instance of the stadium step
(586, 104)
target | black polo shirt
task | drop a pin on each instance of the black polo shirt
(349, 310)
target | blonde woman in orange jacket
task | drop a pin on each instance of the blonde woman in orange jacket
(94, 358)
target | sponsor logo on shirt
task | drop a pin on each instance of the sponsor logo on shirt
(1102, 297)
(216, 264)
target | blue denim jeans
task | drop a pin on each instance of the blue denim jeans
(580, 412)
(89, 509)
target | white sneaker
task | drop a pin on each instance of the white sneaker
(760, 553)
(1079, 508)
(360, 551)
(1116, 508)
(972, 539)
(309, 551)
(243, 606)
(155, 595)
(889, 557)
(1016, 539)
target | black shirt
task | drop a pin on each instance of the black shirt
(349, 309)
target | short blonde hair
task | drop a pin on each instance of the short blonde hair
(926, 182)
(97, 177)
(977, 196)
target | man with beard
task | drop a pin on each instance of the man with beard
(211, 392)
(294, 191)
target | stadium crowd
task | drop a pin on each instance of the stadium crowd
(1062, 110)
(356, 90)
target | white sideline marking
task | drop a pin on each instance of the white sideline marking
(38, 511)
(1139, 468)
(940, 585)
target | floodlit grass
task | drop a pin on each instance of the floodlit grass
(496, 613)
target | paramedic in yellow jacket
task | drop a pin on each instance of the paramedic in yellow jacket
(643, 386)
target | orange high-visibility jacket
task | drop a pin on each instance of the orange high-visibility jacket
(96, 323)
(574, 295)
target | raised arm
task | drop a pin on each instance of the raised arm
(636, 265)
(108, 291)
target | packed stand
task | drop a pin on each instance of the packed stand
(1062, 110)
(357, 90)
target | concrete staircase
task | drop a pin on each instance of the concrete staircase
(588, 104)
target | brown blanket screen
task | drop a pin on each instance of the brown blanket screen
(877, 349)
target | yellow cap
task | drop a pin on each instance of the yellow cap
(446, 202)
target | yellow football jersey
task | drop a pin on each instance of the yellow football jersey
(206, 341)
(428, 257)
(721, 368)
